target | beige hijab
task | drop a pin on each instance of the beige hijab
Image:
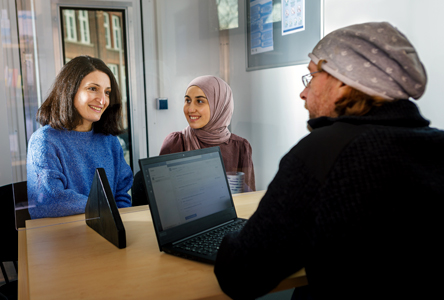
(220, 99)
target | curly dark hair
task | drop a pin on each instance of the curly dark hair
(58, 110)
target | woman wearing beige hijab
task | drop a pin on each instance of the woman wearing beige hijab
(208, 108)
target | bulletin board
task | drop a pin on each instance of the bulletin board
(287, 48)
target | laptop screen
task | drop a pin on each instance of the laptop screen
(189, 188)
(188, 192)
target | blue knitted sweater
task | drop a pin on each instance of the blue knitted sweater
(61, 166)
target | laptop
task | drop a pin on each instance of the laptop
(190, 202)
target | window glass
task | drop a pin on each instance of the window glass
(95, 40)
(84, 26)
(227, 12)
(107, 30)
(116, 32)
(70, 25)
(115, 70)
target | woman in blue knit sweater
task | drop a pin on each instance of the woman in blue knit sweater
(81, 118)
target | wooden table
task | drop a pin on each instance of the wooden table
(72, 261)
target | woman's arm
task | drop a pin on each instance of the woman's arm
(49, 192)
(173, 143)
(247, 167)
(124, 178)
(273, 243)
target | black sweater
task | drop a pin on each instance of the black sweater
(355, 203)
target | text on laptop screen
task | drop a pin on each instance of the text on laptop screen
(188, 189)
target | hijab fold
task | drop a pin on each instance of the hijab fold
(220, 99)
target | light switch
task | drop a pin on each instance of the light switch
(162, 103)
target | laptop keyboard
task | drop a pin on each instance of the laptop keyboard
(208, 243)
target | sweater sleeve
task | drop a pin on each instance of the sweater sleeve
(124, 177)
(247, 167)
(46, 183)
(273, 243)
(277, 240)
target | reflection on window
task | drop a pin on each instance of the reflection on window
(124, 98)
(107, 30)
(115, 71)
(70, 24)
(101, 38)
(276, 14)
(84, 26)
(227, 11)
(117, 32)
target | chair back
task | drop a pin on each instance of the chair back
(8, 233)
(138, 190)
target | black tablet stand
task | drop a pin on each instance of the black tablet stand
(101, 212)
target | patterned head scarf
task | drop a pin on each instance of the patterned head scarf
(220, 99)
(374, 58)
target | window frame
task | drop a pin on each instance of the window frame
(71, 29)
(107, 26)
(117, 32)
(84, 27)
(115, 70)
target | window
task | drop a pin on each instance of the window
(115, 71)
(107, 45)
(117, 32)
(124, 96)
(84, 26)
(70, 24)
(227, 11)
(107, 30)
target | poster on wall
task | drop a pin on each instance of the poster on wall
(261, 26)
(287, 49)
(293, 16)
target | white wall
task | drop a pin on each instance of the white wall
(187, 42)
(420, 21)
(268, 111)
(181, 42)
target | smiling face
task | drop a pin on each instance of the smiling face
(322, 93)
(92, 98)
(196, 108)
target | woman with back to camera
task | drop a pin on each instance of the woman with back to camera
(208, 109)
(81, 118)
